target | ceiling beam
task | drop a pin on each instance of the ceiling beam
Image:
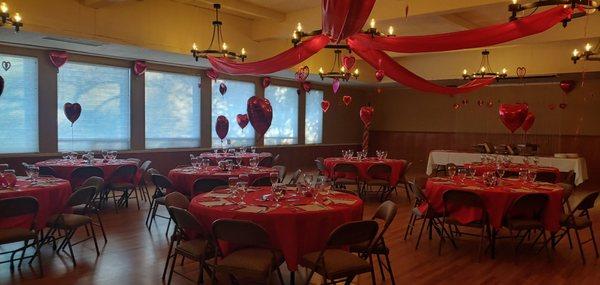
(239, 8)
(97, 4)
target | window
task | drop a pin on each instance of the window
(284, 128)
(19, 105)
(229, 105)
(103, 93)
(172, 110)
(313, 127)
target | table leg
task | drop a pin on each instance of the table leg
(292, 277)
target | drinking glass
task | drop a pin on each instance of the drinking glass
(384, 154)
(104, 154)
(229, 166)
(241, 191)
(35, 172)
(274, 177)
(523, 175)
(531, 174)
(471, 170)
(232, 182)
(65, 155)
(28, 171)
(238, 159)
(253, 149)
(10, 177)
(308, 179)
(278, 190)
(462, 174)
(314, 192)
(500, 170)
(253, 162)
(451, 171)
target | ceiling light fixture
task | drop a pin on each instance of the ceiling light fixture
(16, 21)
(581, 7)
(589, 53)
(485, 69)
(224, 49)
(338, 71)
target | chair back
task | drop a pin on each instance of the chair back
(534, 203)
(587, 202)
(416, 190)
(96, 182)
(80, 174)
(19, 206)
(266, 161)
(241, 232)
(152, 171)
(353, 233)
(407, 166)
(160, 181)
(263, 181)
(178, 200)
(205, 185)
(124, 173)
(47, 171)
(345, 168)
(136, 160)
(546, 176)
(570, 178)
(380, 171)
(295, 177)
(185, 221)
(386, 212)
(280, 172)
(276, 159)
(81, 196)
(145, 166)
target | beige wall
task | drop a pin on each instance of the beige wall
(409, 111)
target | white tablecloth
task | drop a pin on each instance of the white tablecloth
(443, 157)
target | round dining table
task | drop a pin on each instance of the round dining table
(183, 178)
(363, 165)
(298, 226)
(497, 199)
(51, 193)
(216, 157)
(64, 167)
(481, 168)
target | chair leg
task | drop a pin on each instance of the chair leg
(411, 224)
(307, 282)
(407, 192)
(420, 233)
(372, 271)
(101, 226)
(481, 238)
(72, 254)
(380, 267)
(594, 241)
(135, 191)
(115, 200)
(171, 243)
(569, 237)
(389, 269)
(545, 245)
(279, 276)
(38, 253)
(514, 241)
(580, 246)
(149, 213)
(94, 238)
(172, 268)
(25, 243)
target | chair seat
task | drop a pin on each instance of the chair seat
(364, 246)
(524, 224)
(196, 248)
(68, 221)
(16, 234)
(255, 263)
(120, 186)
(336, 263)
(345, 181)
(579, 222)
(377, 182)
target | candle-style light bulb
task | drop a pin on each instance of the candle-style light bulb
(194, 46)
(224, 46)
(243, 51)
(483, 69)
(514, 2)
(294, 36)
(321, 70)
(464, 71)
(391, 30)
(575, 52)
(372, 24)
(3, 7)
(356, 72)
(17, 17)
(504, 70)
(343, 69)
(588, 47)
(299, 27)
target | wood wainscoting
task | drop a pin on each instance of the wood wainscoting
(415, 146)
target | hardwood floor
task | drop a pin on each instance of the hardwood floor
(133, 255)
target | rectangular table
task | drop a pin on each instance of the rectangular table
(442, 157)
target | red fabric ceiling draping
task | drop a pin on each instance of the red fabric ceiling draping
(343, 18)
(276, 63)
(380, 60)
(474, 38)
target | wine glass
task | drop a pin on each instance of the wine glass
(253, 162)
(241, 191)
(451, 169)
(238, 159)
(314, 192)
(194, 161)
(308, 179)
(500, 170)
(65, 156)
(28, 171)
(278, 193)
(274, 177)
(9, 177)
(34, 172)
(232, 182)
(531, 175)
(253, 149)
(462, 174)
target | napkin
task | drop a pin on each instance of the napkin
(215, 203)
(253, 209)
(217, 195)
(312, 207)
(342, 201)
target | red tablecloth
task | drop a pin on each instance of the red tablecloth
(481, 168)
(183, 178)
(497, 200)
(363, 166)
(64, 168)
(216, 157)
(295, 232)
(52, 195)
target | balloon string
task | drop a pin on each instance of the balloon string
(72, 138)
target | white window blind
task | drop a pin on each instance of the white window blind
(104, 95)
(284, 128)
(229, 105)
(172, 110)
(19, 105)
(313, 126)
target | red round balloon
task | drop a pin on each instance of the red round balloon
(513, 115)
(260, 114)
(242, 120)
(567, 86)
(222, 126)
(528, 121)
(366, 114)
(72, 111)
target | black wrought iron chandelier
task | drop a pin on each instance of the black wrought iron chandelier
(485, 69)
(298, 34)
(589, 53)
(587, 7)
(15, 21)
(220, 43)
(338, 71)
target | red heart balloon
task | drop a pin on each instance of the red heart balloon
(567, 86)
(480, 103)
(302, 73)
(222, 126)
(521, 71)
(139, 67)
(58, 58)
(266, 81)
(72, 111)
(325, 105)
(456, 106)
(335, 85)
(307, 86)
(366, 115)
(212, 74)
(490, 104)
(260, 114)
(551, 107)
(348, 62)
(1, 85)
(222, 88)
(242, 120)
(465, 101)
(347, 100)
(513, 115)
(379, 75)
(528, 121)
(562, 105)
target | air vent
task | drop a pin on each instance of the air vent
(75, 41)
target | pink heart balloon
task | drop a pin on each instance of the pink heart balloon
(302, 73)
(58, 58)
(72, 111)
(379, 75)
(222, 126)
(307, 86)
(347, 100)
(139, 67)
(562, 105)
(513, 115)
(266, 81)
(348, 62)
(260, 114)
(366, 114)
(336, 85)
(521, 71)
(222, 88)
(212, 74)
(551, 107)
(242, 120)
(528, 122)
(325, 105)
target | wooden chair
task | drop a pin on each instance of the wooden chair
(92, 209)
(263, 181)
(254, 259)
(198, 248)
(174, 200)
(122, 180)
(205, 185)
(454, 199)
(19, 207)
(69, 223)
(534, 204)
(335, 264)
(576, 220)
(162, 184)
(81, 174)
(340, 171)
(281, 170)
(386, 212)
(380, 176)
